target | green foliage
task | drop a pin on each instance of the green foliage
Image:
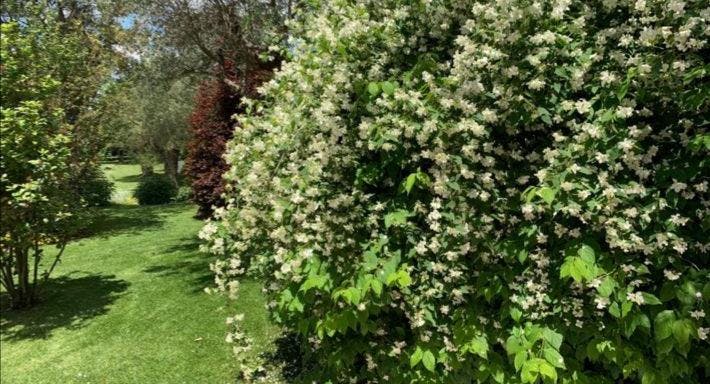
(155, 189)
(94, 188)
(486, 191)
(37, 201)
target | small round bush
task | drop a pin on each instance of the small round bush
(94, 188)
(155, 189)
(481, 192)
(184, 194)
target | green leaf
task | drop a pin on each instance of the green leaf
(313, 282)
(516, 313)
(479, 346)
(650, 299)
(296, 305)
(553, 357)
(429, 361)
(578, 269)
(529, 371)
(626, 308)
(614, 310)
(409, 183)
(416, 357)
(373, 88)
(514, 345)
(376, 287)
(388, 87)
(398, 217)
(552, 337)
(547, 194)
(607, 286)
(520, 359)
(586, 253)
(682, 330)
(663, 324)
(403, 278)
(547, 370)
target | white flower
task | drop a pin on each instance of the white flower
(601, 302)
(671, 275)
(536, 84)
(635, 297)
(698, 314)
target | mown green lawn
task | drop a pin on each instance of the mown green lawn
(126, 305)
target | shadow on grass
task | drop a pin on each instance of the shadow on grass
(122, 219)
(288, 359)
(67, 302)
(194, 266)
(129, 178)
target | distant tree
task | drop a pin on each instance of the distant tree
(226, 41)
(152, 120)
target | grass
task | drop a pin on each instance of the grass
(125, 179)
(126, 305)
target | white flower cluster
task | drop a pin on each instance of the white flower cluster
(488, 163)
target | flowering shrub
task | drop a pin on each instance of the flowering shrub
(486, 191)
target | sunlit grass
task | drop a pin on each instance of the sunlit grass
(126, 305)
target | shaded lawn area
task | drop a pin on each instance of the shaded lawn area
(126, 305)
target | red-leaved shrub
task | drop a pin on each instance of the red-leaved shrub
(212, 126)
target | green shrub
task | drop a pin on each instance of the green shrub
(155, 189)
(184, 194)
(486, 191)
(94, 188)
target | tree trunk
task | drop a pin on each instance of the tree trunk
(23, 295)
(170, 161)
(146, 170)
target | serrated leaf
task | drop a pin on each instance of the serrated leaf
(578, 269)
(586, 253)
(416, 357)
(373, 88)
(519, 360)
(682, 330)
(429, 361)
(516, 313)
(607, 286)
(398, 217)
(614, 310)
(409, 182)
(663, 324)
(553, 357)
(650, 299)
(388, 87)
(547, 370)
(479, 346)
(403, 278)
(376, 287)
(547, 194)
(514, 345)
(552, 337)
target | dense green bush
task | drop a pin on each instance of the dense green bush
(94, 188)
(38, 205)
(183, 194)
(155, 189)
(485, 191)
